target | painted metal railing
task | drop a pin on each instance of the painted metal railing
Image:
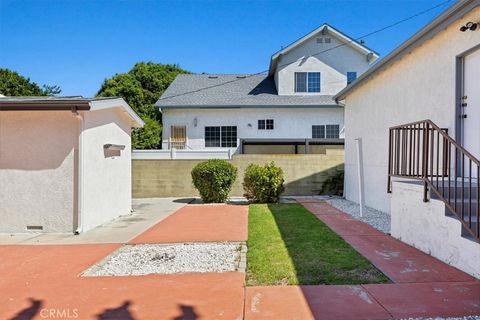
(423, 151)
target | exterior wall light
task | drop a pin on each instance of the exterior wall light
(113, 147)
(195, 122)
(472, 26)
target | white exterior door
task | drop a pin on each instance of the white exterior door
(471, 103)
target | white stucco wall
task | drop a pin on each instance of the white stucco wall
(107, 179)
(289, 123)
(425, 226)
(333, 65)
(419, 86)
(37, 165)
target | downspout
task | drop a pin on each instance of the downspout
(81, 127)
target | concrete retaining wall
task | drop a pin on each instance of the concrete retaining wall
(425, 226)
(304, 173)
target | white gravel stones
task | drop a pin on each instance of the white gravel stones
(170, 258)
(377, 219)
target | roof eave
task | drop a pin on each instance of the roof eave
(333, 105)
(458, 9)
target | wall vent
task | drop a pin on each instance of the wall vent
(34, 228)
(328, 40)
(319, 40)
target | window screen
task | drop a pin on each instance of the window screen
(307, 81)
(318, 132)
(332, 131)
(329, 131)
(300, 82)
(314, 82)
(229, 136)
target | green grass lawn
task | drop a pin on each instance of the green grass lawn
(287, 244)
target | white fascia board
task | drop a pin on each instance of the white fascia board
(118, 103)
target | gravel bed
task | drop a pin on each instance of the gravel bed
(377, 219)
(169, 258)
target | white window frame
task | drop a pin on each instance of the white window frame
(307, 73)
(325, 130)
(265, 124)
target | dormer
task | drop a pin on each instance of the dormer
(322, 62)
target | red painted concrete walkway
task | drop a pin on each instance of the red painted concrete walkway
(202, 223)
(423, 286)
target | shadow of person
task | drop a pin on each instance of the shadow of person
(29, 312)
(188, 313)
(119, 313)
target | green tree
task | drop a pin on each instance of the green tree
(14, 84)
(141, 87)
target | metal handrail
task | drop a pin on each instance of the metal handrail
(423, 151)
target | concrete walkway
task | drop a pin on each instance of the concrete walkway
(147, 212)
(422, 285)
(200, 223)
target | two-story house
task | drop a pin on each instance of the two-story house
(290, 109)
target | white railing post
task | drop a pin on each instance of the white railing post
(172, 153)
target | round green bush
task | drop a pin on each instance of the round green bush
(263, 184)
(214, 179)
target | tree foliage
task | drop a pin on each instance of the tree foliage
(141, 87)
(14, 84)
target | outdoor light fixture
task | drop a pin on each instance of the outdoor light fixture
(472, 26)
(195, 122)
(113, 147)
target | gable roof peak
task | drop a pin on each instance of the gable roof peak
(325, 28)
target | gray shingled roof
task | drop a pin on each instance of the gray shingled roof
(232, 90)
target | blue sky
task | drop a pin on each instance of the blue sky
(77, 44)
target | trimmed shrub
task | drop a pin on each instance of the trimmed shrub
(263, 184)
(214, 179)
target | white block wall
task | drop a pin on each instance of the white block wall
(425, 226)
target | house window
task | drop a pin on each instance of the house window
(328, 40)
(265, 124)
(300, 82)
(212, 136)
(225, 136)
(307, 81)
(332, 131)
(351, 76)
(329, 131)
(318, 132)
(178, 137)
(229, 136)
